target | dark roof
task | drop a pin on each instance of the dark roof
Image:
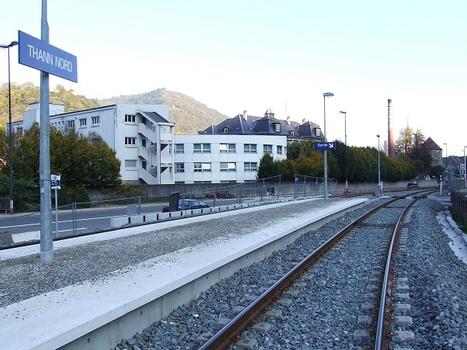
(431, 145)
(243, 124)
(156, 117)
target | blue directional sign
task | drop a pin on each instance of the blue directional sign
(325, 146)
(40, 55)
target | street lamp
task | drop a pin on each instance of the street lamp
(379, 167)
(345, 149)
(446, 162)
(10, 143)
(326, 94)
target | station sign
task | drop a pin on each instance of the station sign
(325, 146)
(40, 55)
(55, 181)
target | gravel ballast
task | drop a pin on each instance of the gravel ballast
(22, 278)
(320, 310)
(439, 283)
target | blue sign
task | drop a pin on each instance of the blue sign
(325, 146)
(40, 55)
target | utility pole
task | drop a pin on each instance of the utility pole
(326, 94)
(46, 238)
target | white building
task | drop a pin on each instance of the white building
(141, 136)
(223, 158)
(149, 152)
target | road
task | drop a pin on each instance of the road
(87, 220)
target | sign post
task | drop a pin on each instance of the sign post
(55, 185)
(40, 55)
(325, 146)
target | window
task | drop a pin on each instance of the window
(202, 148)
(292, 133)
(267, 149)
(318, 132)
(277, 127)
(279, 149)
(179, 148)
(179, 167)
(228, 166)
(226, 130)
(143, 143)
(201, 167)
(82, 122)
(130, 163)
(70, 123)
(19, 130)
(227, 147)
(130, 118)
(95, 120)
(130, 141)
(249, 148)
(250, 166)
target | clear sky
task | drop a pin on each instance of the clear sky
(254, 55)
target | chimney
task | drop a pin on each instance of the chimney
(287, 120)
(390, 132)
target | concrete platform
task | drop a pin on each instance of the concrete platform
(97, 313)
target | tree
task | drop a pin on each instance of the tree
(404, 143)
(83, 162)
(267, 167)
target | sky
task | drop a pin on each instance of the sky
(254, 55)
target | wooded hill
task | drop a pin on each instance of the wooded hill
(188, 114)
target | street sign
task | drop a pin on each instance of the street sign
(42, 56)
(325, 146)
(55, 180)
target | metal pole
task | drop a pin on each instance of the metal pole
(465, 169)
(379, 167)
(56, 213)
(10, 141)
(345, 151)
(44, 165)
(325, 155)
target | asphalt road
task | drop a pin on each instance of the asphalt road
(87, 220)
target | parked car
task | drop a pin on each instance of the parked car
(412, 185)
(187, 204)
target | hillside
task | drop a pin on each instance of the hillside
(24, 94)
(188, 114)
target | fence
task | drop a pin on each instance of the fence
(101, 215)
(459, 206)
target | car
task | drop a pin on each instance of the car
(187, 204)
(412, 185)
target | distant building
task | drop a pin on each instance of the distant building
(436, 152)
(224, 158)
(141, 136)
(243, 124)
(144, 141)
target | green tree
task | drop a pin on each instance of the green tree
(267, 167)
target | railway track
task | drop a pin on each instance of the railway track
(380, 333)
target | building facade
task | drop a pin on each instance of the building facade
(141, 136)
(223, 158)
(436, 152)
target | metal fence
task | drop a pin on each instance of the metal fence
(97, 216)
(101, 215)
(459, 206)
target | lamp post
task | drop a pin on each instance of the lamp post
(345, 149)
(326, 94)
(446, 162)
(379, 166)
(10, 143)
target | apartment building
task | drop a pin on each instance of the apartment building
(142, 136)
(223, 158)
